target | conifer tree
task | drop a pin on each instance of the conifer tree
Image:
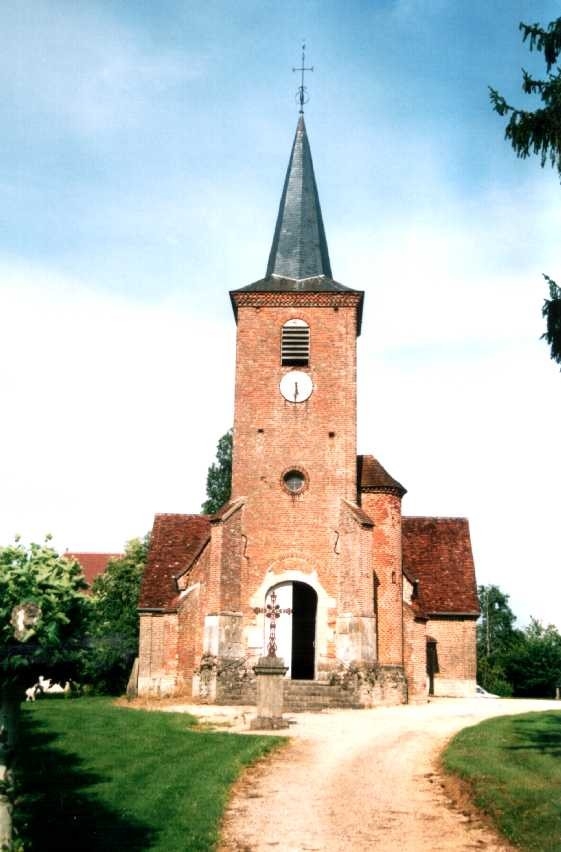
(539, 132)
(219, 477)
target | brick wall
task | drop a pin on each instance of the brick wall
(157, 664)
(192, 609)
(415, 655)
(456, 651)
(226, 558)
(385, 511)
(272, 435)
(355, 575)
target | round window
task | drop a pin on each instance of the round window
(294, 481)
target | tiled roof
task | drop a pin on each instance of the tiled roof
(371, 476)
(92, 564)
(314, 284)
(437, 553)
(175, 543)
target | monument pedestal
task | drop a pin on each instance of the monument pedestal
(270, 673)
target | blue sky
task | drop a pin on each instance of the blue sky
(144, 147)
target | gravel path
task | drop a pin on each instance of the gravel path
(361, 780)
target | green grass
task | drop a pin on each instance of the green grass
(94, 776)
(513, 765)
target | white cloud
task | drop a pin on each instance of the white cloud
(113, 408)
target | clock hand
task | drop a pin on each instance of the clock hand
(295, 391)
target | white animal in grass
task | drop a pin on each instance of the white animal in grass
(32, 692)
(47, 687)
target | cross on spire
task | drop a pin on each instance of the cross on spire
(302, 91)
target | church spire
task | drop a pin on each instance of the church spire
(299, 248)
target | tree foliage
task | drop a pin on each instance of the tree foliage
(551, 311)
(511, 661)
(538, 132)
(496, 635)
(534, 665)
(42, 614)
(37, 577)
(495, 631)
(219, 476)
(112, 631)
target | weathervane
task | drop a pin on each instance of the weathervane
(302, 91)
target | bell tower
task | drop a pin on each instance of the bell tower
(294, 449)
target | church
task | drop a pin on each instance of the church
(372, 607)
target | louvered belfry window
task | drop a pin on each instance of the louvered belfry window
(295, 344)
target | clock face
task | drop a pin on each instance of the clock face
(296, 386)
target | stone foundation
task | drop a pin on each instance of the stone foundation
(372, 685)
(227, 681)
(220, 680)
(355, 638)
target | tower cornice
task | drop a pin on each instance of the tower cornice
(303, 298)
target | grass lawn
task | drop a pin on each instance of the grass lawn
(93, 776)
(513, 764)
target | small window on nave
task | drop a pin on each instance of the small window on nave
(295, 344)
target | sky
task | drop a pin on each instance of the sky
(143, 152)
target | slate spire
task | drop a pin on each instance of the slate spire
(299, 248)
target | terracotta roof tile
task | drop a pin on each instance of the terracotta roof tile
(371, 476)
(437, 553)
(92, 564)
(175, 543)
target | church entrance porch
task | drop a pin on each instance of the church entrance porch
(295, 628)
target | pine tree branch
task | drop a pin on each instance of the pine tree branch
(551, 311)
(547, 41)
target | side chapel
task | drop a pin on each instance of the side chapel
(375, 607)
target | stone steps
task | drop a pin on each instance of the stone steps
(309, 695)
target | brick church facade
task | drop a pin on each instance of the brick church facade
(375, 607)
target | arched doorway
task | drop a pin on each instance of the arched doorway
(296, 628)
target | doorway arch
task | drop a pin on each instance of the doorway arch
(296, 629)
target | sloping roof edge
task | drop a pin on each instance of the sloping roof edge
(176, 542)
(373, 477)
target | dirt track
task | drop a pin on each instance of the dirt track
(362, 780)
